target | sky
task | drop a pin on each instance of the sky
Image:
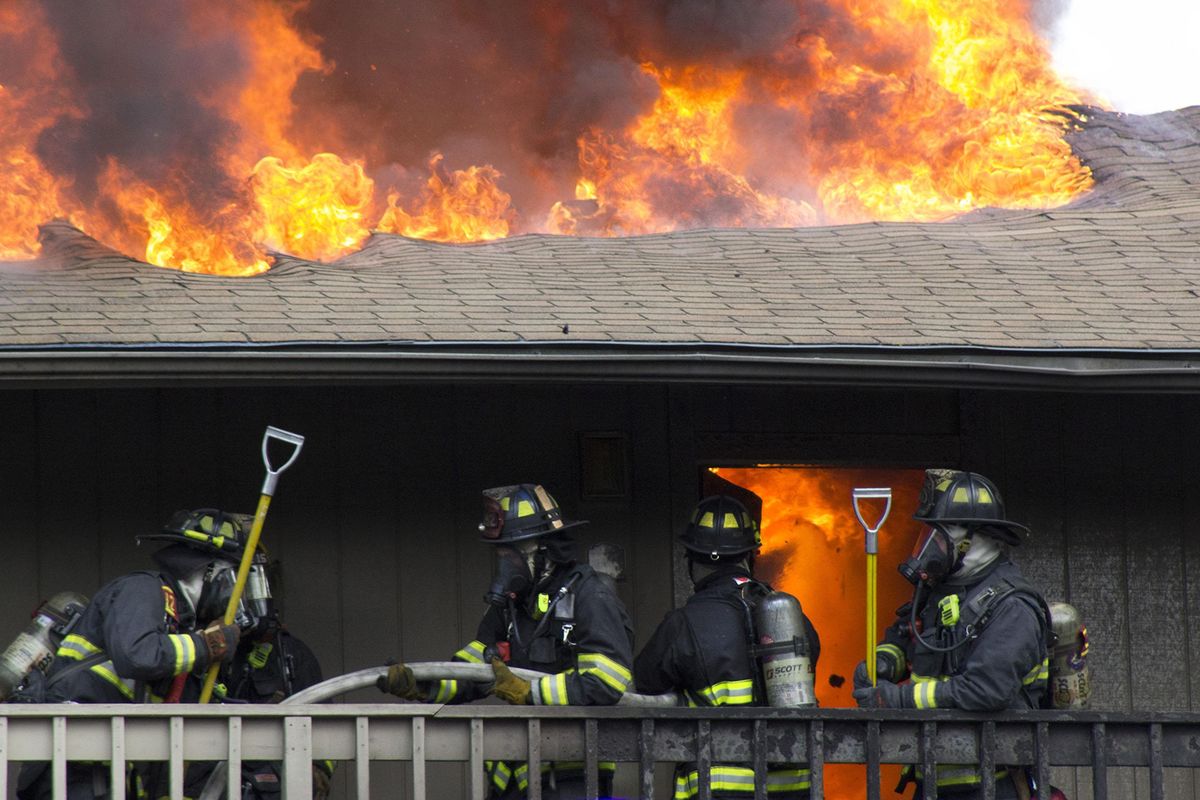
(1140, 57)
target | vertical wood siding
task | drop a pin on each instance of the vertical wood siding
(375, 525)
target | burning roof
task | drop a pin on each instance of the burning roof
(1117, 268)
(204, 136)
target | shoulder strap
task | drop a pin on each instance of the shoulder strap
(981, 608)
(79, 666)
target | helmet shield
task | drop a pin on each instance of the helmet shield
(493, 519)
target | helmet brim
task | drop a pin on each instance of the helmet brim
(181, 560)
(523, 535)
(1020, 533)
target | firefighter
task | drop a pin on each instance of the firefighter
(546, 612)
(704, 648)
(270, 665)
(974, 635)
(142, 635)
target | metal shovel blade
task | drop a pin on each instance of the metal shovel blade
(294, 439)
(860, 494)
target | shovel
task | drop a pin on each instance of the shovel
(268, 490)
(872, 554)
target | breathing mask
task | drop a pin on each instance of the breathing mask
(515, 567)
(938, 553)
(215, 591)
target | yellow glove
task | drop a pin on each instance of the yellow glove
(509, 687)
(401, 682)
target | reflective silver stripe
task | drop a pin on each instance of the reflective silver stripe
(731, 693)
(925, 694)
(447, 691)
(550, 690)
(1041, 672)
(473, 652)
(76, 647)
(958, 774)
(108, 672)
(741, 779)
(611, 672)
(185, 652)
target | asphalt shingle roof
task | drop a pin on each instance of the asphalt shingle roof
(1118, 268)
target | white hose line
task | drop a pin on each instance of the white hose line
(422, 671)
(448, 670)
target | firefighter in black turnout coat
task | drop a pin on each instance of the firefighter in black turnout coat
(547, 613)
(974, 636)
(270, 665)
(703, 649)
(140, 638)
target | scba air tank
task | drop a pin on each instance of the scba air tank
(35, 646)
(784, 651)
(1070, 684)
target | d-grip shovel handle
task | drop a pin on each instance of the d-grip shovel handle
(872, 531)
(273, 474)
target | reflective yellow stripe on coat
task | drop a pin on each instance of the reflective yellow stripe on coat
(734, 779)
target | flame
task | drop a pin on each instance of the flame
(465, 205)
(313, 210)
(677, 166)
(814, 548)
(910, 110)
(979, 125)
(174, 233)
(29, 193)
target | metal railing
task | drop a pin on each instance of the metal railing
(358, 735)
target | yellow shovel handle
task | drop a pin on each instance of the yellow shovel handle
(210, 679)
(871, 617)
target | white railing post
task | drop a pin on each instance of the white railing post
(362, 758)
(418, 757)
(478, 787)
(176, 762)
(116, 770)
(233, 759)
(297, 758)
(3, 757)
(58, 759)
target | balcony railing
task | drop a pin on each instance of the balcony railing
(358, 735)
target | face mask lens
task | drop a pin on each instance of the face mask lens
(215, 594)
(932, 543)
(512, 577)
(931, 559)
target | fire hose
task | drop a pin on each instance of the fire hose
(422, 671)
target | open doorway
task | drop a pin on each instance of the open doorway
(814, 548)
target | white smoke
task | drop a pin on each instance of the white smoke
(1139, 58)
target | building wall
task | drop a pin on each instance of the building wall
(375, 524)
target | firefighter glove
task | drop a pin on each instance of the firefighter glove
(884, 695)
(509, 687)
(883, 672)
(219, 640)
(401, 682)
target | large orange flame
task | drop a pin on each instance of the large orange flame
(814, 548)
(29, 193)
(925, 109)
(465, 205)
